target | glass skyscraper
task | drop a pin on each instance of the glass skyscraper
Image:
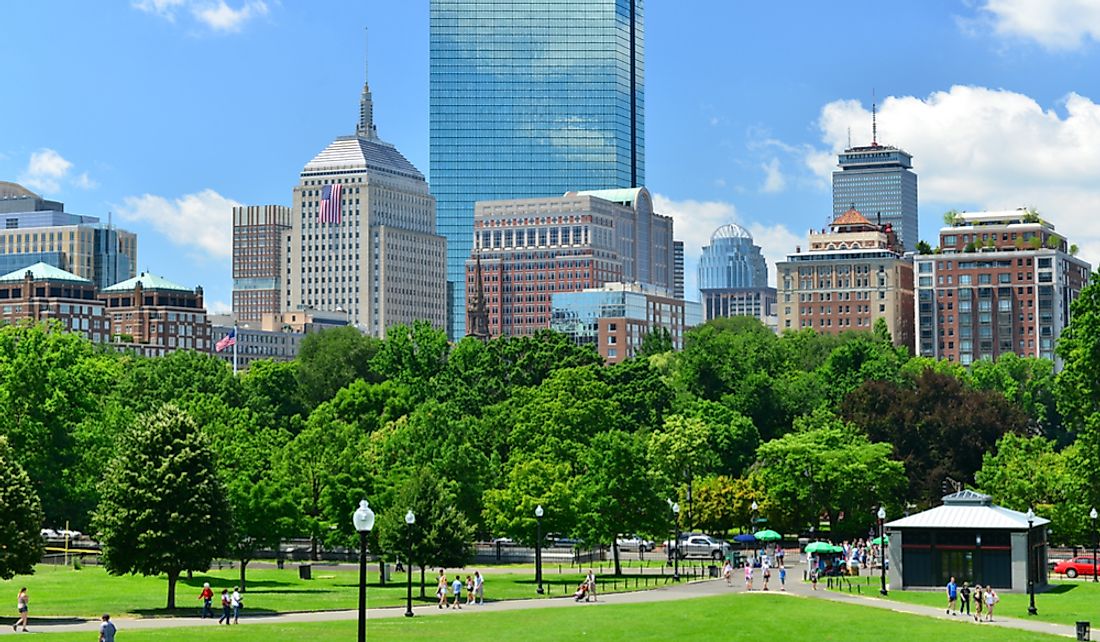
(878, 181)
(530, 98)
(733, 277)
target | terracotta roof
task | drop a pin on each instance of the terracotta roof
(851, 217)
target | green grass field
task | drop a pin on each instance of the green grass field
(735, 617)
(60, 591)
(1065, 602)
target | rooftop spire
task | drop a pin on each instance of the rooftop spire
(874, 120)
(366, 128)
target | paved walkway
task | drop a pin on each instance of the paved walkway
(795, 589)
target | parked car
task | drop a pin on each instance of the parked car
(1074, 567)
(503, 541)
(49, 533)
(634, 543)
(700, 546)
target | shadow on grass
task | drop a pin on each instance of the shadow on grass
(193, 614)
(1057, 589)
(197, 582)
(53, 621)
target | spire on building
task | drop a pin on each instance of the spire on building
(874, 125)
(477, 322)
(366, 127)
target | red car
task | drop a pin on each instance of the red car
(1074, 567)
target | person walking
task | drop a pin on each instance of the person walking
(479, 588)
(590, 580)
(456, 590)
(813, 577)
(964, 599)
(236, 602)
(225, 607)
(727, 572)
(469, 590)
(952, 595)
(107, 629)
(748, 575)
(991, 598)
(766, 570)
(979, 602)
(441, 590)
(207, 597)
(22, 603)
(782, 578)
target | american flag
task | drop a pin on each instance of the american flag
(330, 204)
(226, 341)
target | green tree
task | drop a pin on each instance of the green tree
(1078, 384)
(270, 389)
(163, 507)
(20, 518)
(827, 467)
(531, 482)
(412, 354)
(923, 247)
(331, 359)
(440, 536)
(680, 452)
(1023, 472)
(262, 517)
(656, 341)
(616, 493)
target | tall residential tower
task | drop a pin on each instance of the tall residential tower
(530, 98)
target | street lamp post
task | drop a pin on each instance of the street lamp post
(538, 548)
(363, 518)
(676, 542)
(410, 519)
(882, 546)
(754, 507)
(1031, 610)
(1092, 516)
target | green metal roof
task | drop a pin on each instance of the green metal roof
(42, 272)
(148, 282)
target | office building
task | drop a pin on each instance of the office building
(615, 318)
(259, 259)
(530, 98)
(42, 292)
(878, 180)
(525, 250)
(363, 235)
(733, 277)
(155, 316)
(851, 275)
(1001, 282)
(678, 269)
(37, 230)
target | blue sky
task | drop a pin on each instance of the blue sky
(166, 112)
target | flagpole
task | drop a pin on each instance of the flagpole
(235, 340)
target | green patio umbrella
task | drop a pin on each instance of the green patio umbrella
(768, 536)
(820, 547)
(878, 540)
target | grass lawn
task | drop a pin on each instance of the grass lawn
(735, 617)
(60, 591)
(1065, 602)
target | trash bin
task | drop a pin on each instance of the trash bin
(712, 571)
(305, 572)
(1083, 632)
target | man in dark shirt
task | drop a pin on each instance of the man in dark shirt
(964, 601)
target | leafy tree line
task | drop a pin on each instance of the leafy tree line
(818, 430)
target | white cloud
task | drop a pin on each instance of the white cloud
(1054, 24)
(774, 181)
(45, 170)
(218, 307)
(694, 222)
(216, 15)
(993, 149)
(202, 220)
(83, 181)
(221, 17)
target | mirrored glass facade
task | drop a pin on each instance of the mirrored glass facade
(530, 98)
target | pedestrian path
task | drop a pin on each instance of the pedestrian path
(795, 589)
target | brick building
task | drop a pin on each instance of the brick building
(851, 275)
(1000, 282)
(155, 316)
(530, 249)
(259, 257)
(43, 292)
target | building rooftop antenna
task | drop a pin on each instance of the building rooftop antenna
(874, 120)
